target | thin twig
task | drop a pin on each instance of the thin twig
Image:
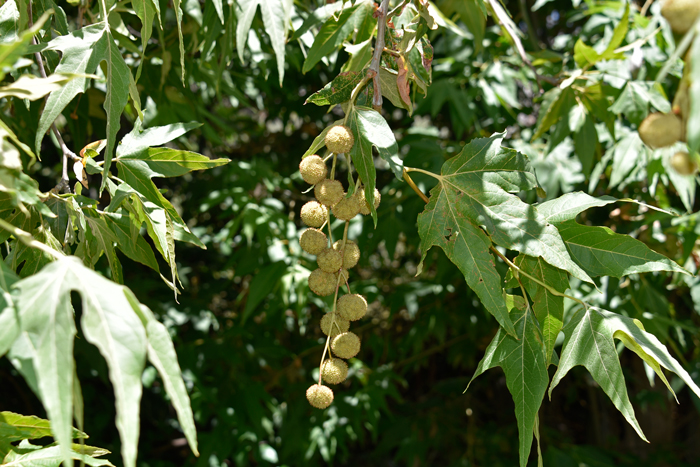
(27, 239)
(67, 153)
(381, 15)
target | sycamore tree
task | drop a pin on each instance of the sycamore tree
(555, 171)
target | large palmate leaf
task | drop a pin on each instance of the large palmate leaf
(109, 322)
(82, 51)
(371, 130)
(548, 307)
(599, 250)
(276, 21)
(525, 364)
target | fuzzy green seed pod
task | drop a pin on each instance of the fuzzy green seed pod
(328, 327)
(314, 214)
(346, 208)
(313, 169)
(684, 164)
(659, 130)
(334, 371)
(339, 139)
(313, 241)
(329, 192)
(364, 206)
(330, 260)
(352, 253)
(345, 345)
(681, 14)
(322, 283)
(352, 307)
(319, 396)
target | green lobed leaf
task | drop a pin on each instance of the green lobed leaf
(109, 322)
(335, 30)
(524, 363)
(167, 162)
(602, 252)
(548, 307)
(161, 353)
(275, 19)
(570, 205)
(556, 104)
(32, 88)
(480, 180)
(129, 239)
(146, 11)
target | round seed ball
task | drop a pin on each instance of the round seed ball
(314, 214)
(659, 130)
(329, 192)
(339, 139)
(319, 396)
(364, 206)
(683, 163)
(352, 307)
(345, 345)
(346, 208)
(322, 283)
(313, 169)
(330, 260)
(341, 324)
(334, 371)
(352, 253)
(681, 14)
(313, 241)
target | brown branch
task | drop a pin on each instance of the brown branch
(381, 15)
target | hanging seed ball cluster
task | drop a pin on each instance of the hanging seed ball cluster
(333, 261)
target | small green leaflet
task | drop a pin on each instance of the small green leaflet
(585, 55)
(371, 130)
(590, 342)
(525, 365)
(339, 90)
(335, 30)
(146, 11)
(276, 21)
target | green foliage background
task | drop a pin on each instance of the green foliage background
(246, 327)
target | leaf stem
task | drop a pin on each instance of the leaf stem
(27, 239)
(412, 184)
(550, 289)
(426, 172)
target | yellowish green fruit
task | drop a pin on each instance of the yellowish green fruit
(352, 307)
(681, 14)
(364, 205)
(319, 396)
(314, 214)
(330, 260)
(346, 208)
(329, 192)
(333, 324)
(345, 345)
(334, 371)
(339, 139)
(660, 130)
(313, 241)
(321, 282)
(351, 255)
(313, 169)
(684, 164)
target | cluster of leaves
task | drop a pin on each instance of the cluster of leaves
(449, 73)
